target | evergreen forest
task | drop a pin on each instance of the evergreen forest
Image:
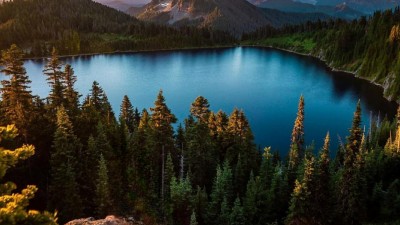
(91, 161)
(368, 46)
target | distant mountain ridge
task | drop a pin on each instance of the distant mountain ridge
(365, 6)
(234, 16)
(339, 10)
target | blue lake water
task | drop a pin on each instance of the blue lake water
(265, 83)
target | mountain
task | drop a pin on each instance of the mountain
(84, 26)
(234, 16)
(123, 5)
(339, 10)
(365, 6)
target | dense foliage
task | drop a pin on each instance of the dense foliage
(208, 171)
(12, 204)
(83, 26)
(368, 47)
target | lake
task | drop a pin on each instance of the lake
(265, 83)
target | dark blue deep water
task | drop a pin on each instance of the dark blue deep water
(265, 83)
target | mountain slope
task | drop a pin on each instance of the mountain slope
(339, 10)
(365, 6)
(234, 16)
(83, 26)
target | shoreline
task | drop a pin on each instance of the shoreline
(134, 51)
(333, 69)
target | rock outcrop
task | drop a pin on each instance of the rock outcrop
(109, 220)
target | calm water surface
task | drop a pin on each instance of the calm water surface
(265, 83)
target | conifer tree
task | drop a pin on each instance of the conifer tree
(181, 197)
(222, 189)
(193, 220)
(127, 114)
(200, 203)
(17, 100)
(55, 79)
(162, 137)
(351, 204)
(103, 197)
(296, 152)
(71, 95)
(200, 109)
(302, 210)
(323, 199)
(13, 205)
(63, 162)
(237, 215)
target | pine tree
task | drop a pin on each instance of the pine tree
(200, 109)
(71, 95)
(351, 203)
(103, 198)
(237, 215)
(13, 205)
(302, 210)
(17, 100)
(193, 220)
(323, 199)
(127, 114)
(63, 159)
(222, 189)
(181, 197)
(55, 79)
(296, 152)
(200, 203)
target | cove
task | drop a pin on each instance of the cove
(265, 83)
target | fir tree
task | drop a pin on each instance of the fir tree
(237, 215)
(55, 79)
(200, 109)
(63, 162)
(17, 100)
(103, 198)
(127, 114)
(296, 152)
(193, 220)
(323, 199)
(302, 210)
(71, 95)
(351, 203)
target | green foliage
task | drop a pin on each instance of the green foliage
(103, 198)
(17, 100)
(13, 205)
(368, 47)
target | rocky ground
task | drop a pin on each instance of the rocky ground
(109, 220)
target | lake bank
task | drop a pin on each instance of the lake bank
(332, 68)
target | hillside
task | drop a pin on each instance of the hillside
(339, 10)
(234, 16)
(368, 48)
(83, 26)
(365, 6)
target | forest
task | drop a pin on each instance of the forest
(368, 47)
(84, 27)
(89, 161)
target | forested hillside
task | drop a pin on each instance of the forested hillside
(369, 47)
(83, 26)
(89, 162)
